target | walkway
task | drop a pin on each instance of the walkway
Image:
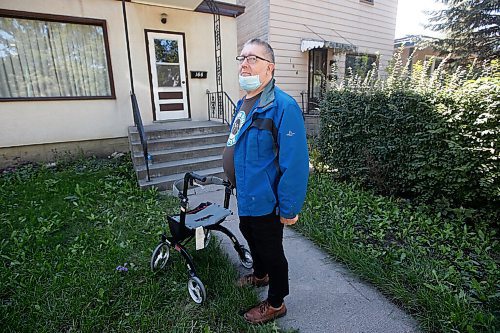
(324, 295)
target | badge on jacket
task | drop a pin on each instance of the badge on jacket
(235, 130)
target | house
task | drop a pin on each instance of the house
(66, 79)
(417, 46)
(76, 74)
(311, 36)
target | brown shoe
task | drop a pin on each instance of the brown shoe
(264, 312)
(252, 280)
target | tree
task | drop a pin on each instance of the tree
(471, 28)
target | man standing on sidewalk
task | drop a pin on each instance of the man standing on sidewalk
(266, 158)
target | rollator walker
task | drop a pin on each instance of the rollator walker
(196, 223)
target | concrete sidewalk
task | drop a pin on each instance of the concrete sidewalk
(324, 295)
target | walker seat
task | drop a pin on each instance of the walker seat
(206, 214)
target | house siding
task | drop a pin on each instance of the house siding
(254, 23)
(369, 27)
(24, 123)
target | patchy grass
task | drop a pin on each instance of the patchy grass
(440, 269)
(64, 230)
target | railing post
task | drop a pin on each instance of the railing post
(218, 52)
(208, 103)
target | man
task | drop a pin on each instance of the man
(266, 158)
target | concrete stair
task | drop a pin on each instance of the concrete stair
(176, 148)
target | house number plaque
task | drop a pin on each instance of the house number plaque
(198, 74)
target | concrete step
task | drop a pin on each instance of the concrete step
(168, 155)
(180, 142)
(164, 183)
(173, 167)
(174, 130)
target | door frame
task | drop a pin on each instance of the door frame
(310, 75)
(153, 106)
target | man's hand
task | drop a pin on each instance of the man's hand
(291, 221)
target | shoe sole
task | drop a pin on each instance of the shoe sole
(265, 321)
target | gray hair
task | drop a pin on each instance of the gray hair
(268, 50)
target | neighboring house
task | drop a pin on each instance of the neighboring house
(64, 72)
(416, 45)
(311, 36)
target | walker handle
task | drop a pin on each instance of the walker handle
(196, 176)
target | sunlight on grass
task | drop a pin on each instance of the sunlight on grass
(440, 269)
(65, 230)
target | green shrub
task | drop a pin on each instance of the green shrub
(429, 137)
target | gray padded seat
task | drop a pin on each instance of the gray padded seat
(211, 215)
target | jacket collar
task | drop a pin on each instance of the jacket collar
(267, 96)
(265, 101)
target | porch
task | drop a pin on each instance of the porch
(174, 148)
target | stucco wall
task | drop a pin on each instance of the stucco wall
(27, 123)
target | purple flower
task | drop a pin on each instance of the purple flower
(121, 269)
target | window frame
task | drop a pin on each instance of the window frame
(64, 19)
(434, 59)
(357, 54)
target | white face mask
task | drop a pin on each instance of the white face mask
(250, 83)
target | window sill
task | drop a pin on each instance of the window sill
(42, 99)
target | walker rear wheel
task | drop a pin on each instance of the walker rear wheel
(196, 290)
(160, 256)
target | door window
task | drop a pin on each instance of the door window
(317, 77)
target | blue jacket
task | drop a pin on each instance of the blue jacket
(271, 160)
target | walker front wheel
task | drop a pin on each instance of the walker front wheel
(196, 290)
(246, 258)
(160, 256)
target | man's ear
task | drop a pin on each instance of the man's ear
(271, 68)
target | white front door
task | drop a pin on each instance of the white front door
(168, 75)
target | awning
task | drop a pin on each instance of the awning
(225, 9)
(309, 44)
(180, 4)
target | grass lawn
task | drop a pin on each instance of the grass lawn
(64, 231)
(441, 270)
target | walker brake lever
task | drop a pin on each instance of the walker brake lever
(199, 185)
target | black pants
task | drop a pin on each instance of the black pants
(264, 235)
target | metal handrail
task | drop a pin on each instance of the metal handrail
(308, 105)
(140, 129)
(226, 113)
(135, 107)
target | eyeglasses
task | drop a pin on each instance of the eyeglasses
(251, 59)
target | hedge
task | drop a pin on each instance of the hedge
(432, 138)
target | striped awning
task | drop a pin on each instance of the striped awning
(309, 44)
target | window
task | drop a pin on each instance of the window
(53, 57)
(435, 62)
(359, 64)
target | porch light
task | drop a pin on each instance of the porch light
(163, 18)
